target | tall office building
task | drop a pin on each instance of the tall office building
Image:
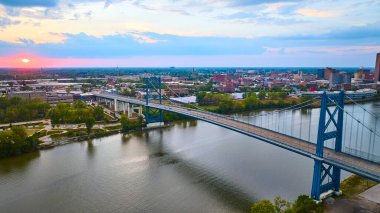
(377, 68)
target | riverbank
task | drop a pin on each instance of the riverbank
(351, 200)
(79, 135)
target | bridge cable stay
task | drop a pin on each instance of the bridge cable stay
(360, 125)
(373, 115)
(372, 136)
(358, 120)
(283, 118)
(263, 123)
(361, 106)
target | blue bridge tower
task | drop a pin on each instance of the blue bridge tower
(326, 178)
(153, 90)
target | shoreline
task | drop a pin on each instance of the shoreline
(82, 138)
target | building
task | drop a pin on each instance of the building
(178, 91)
(377, 68)
(219, 78)
(362, 73)
(340, 78)
(334, 79)
(345, 78)
(328, 72)
(55, 98)
(320, 74)
(358, 94)
(28, 95)
(227, 87)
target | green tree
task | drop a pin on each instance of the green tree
(79, 104)
(90, 121)
(262, 94)
(200, 97)
(226, 105)
(264, 206)
(281, 205)
(127, 124)
(305, 204)
(251, 102)
(99, 113)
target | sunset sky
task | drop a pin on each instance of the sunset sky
(135, 33)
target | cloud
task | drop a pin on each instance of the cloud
(366, 34)
(26, 41)
(137, 44)
(4, 22)
(29, 3)
(239, 3)
(316, 13)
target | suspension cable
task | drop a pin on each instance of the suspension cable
(361, 106)
(353, 117)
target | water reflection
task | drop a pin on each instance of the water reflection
(90, 148)
(13, 164)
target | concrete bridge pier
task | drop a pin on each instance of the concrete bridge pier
(116, 108)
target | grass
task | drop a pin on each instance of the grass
(355, 185)
(30, 132)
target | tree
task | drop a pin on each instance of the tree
(262, 94)
(264, 206)
(200, 97)
(99, 113)
(127, 124)
(305, 204)
(225, 105)
(90, 121)
(79, 104)
(281, 205)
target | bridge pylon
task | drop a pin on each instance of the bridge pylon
(153, 90)
(326, 178)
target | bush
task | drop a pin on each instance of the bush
(264, 206)
(15, 141)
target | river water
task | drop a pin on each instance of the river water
(192, 166)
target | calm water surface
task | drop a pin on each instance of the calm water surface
(190, 167)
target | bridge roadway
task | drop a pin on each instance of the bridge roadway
(344, 161)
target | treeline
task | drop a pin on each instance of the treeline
(15, 141)
(75, 113)
(303, 204)
(224, 103)
(16, 109)
(128, 124)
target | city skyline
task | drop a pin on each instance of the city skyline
(291, 33)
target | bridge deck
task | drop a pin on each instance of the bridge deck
(345, 161)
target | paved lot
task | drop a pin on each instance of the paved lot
(372, 194)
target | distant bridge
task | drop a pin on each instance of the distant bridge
(328, 161)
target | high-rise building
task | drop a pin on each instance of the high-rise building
(329, 71)
(377, 68)
(339, 78)
(321, 74)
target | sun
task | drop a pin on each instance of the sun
(25, 60)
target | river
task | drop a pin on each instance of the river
(192, 166)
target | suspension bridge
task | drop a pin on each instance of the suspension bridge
(332, 144)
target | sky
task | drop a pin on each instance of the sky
(187, 33)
